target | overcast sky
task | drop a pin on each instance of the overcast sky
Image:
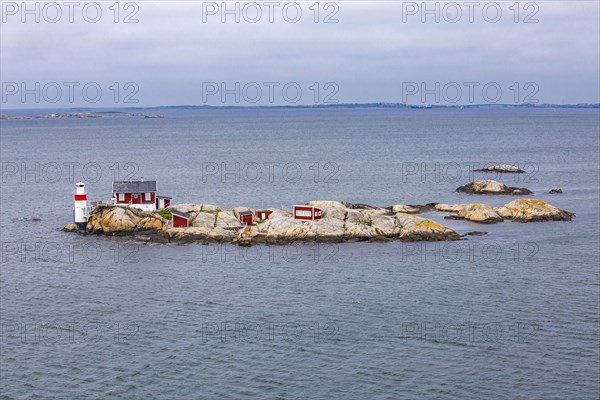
(183, 53)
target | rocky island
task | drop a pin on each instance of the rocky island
(341, 222)
(521, 210)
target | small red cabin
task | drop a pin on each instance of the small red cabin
(246, 217)
(179, 219)
(262, 215)
(308, 213)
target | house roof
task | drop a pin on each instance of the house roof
(245, 212)
(134, 186)
(305, 206)
(180, 214)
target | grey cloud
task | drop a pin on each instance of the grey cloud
(369, 53)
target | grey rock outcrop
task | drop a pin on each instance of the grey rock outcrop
(532, 210)
(491, 187)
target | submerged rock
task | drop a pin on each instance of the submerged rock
(555, 190)
(454, 217)
(503, 168)
(70, 228)
(491, 187)
(475, 233)
(34, 219)
(531, 210)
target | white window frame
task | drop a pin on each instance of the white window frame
(303, 213)
(147, 196)
(121, 196)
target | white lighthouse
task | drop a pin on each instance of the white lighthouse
(80, 209)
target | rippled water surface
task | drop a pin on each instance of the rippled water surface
(511, 314)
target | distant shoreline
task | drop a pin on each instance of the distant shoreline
(314, 106)
(385, 105)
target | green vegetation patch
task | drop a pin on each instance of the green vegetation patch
(165, 213)
(368, 222)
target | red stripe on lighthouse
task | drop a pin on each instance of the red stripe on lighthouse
(79, 197)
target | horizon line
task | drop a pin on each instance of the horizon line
(331, 105)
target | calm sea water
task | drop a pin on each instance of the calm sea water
(512, 314)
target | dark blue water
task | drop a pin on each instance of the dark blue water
(512, 314)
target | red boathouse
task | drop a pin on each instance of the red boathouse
(179, 219)
(308, 213)
(246, 217)
(262, 215)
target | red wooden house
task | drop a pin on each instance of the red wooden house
(262, 215)
(179, 219)
(140, 194)
(246, 217)
(308, 213)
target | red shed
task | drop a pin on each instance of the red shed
(262, 215)
(180, 220)
(246, 217)
(309, 213)
(163, 202)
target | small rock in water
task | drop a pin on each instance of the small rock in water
(555, 190)
(491, 187)
(29, 219)
(505, 168)
(70, 228)
(533, 210)
(475, 233)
